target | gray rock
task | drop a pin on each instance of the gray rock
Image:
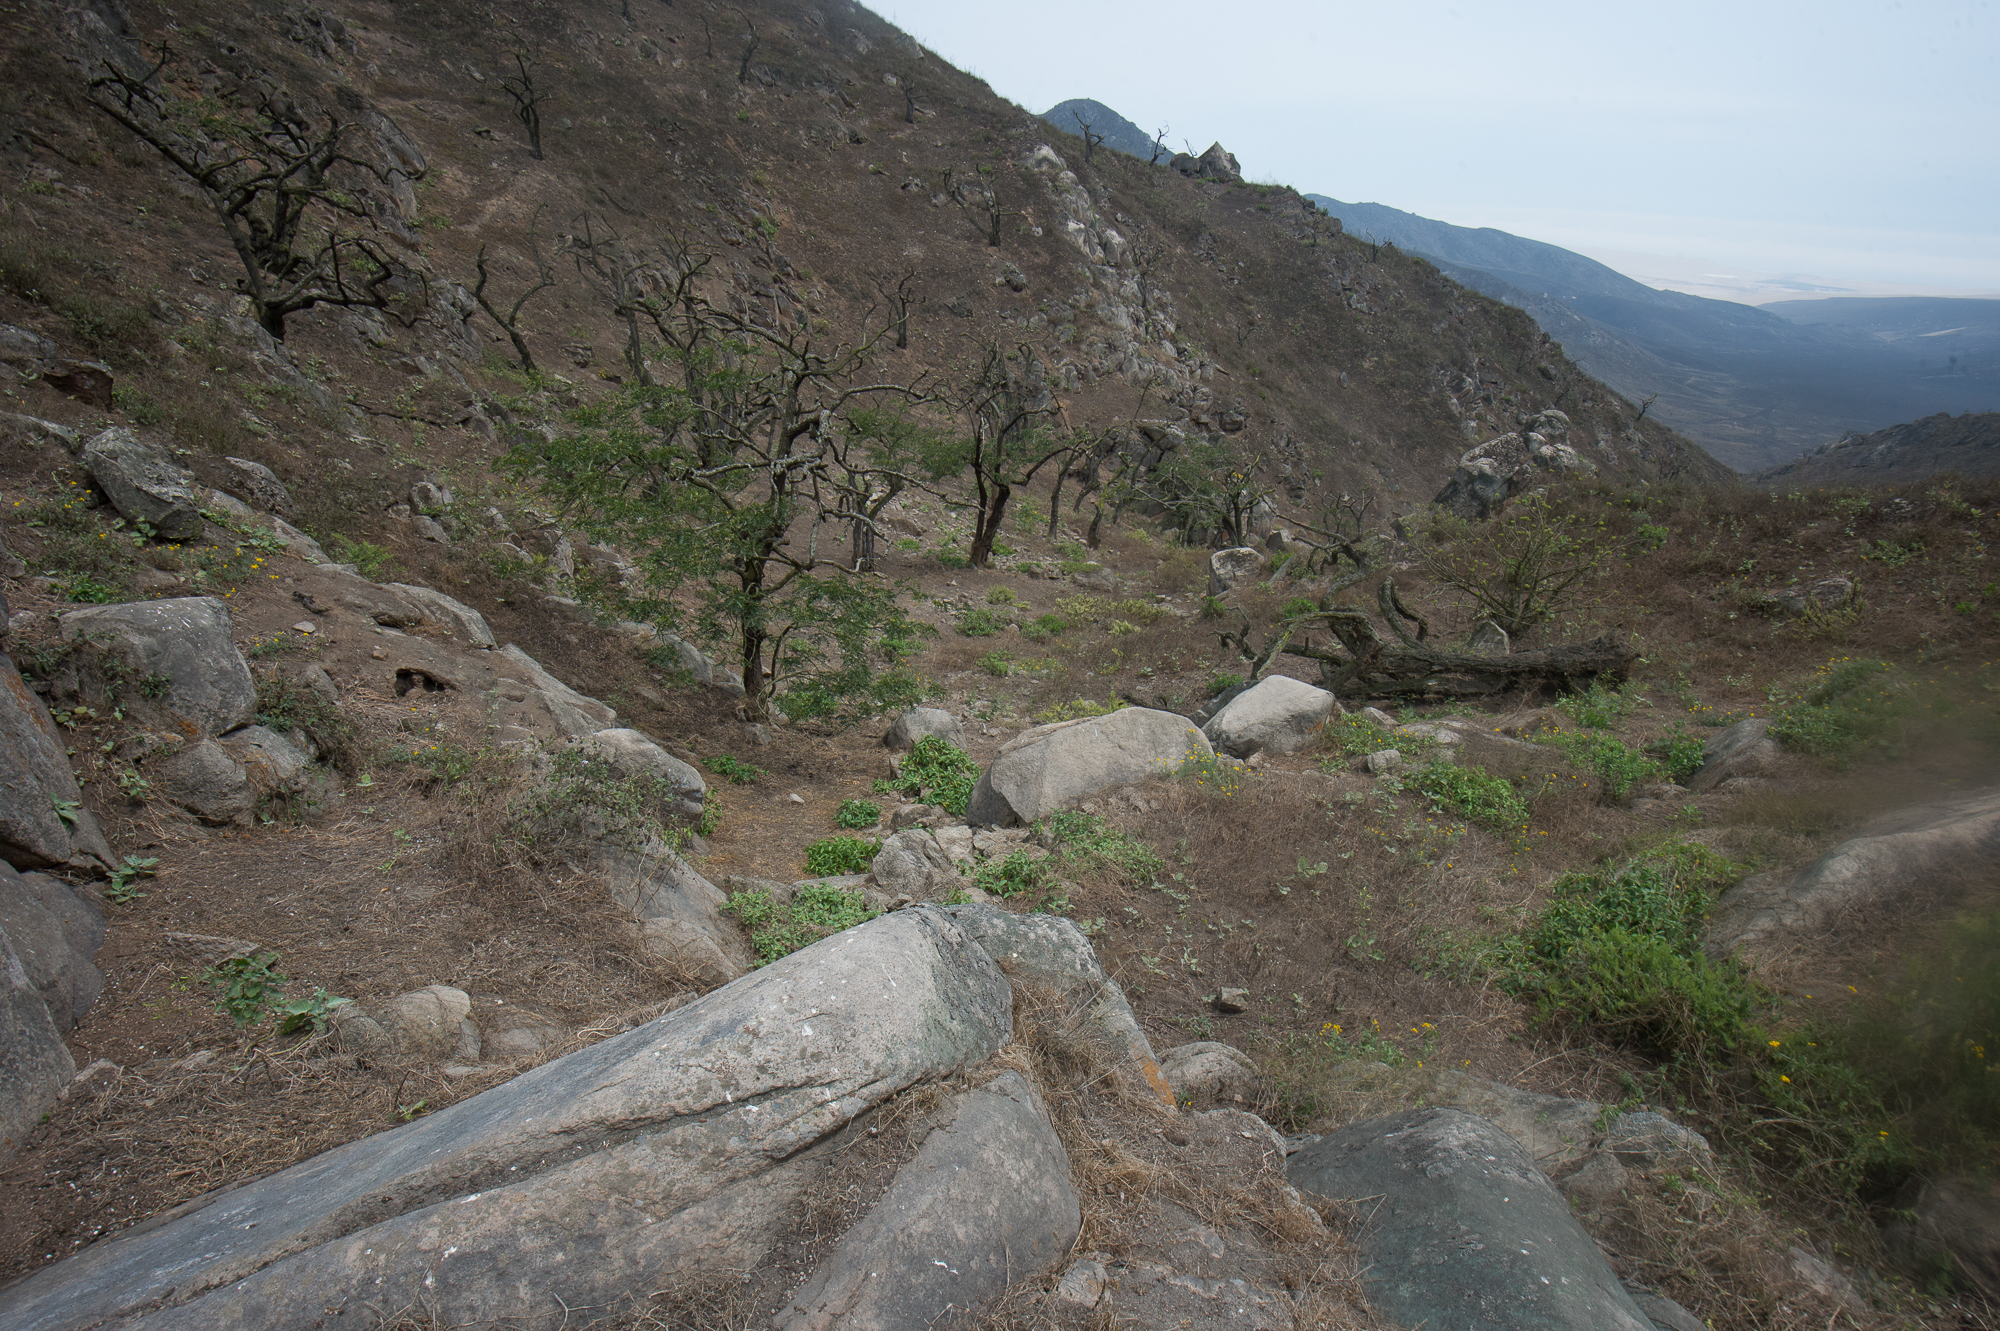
(1601, 1179)
(575, 714)
(35, 781)
(430, 529)
(254, 483)
(1096, 578)
(35, 1065)
(144, 484)
(986, 1202)
(271, 763)
(297, 543)
(20, 346)
(1489, 639)
(1276, 715)
(1949, 1224)
(1897, 855)
(1467, 1232)
(55, 933)
(1233, 568)
(203, 779)
(1228, 999)
(633, 753)
(433, 1023)
(1743, 749)
(185, 641)
(671, 1151)
(1218, 164)
(1381, 762)
(1642, 1139)
(1489, 474)
(1550, 1128)
(913, 725)
(342, 586)
(1664, 1313)
(1823, 1280)
(441, 611)
(1051, 954)
(1051, 767)
(912, 864)
(679, 911)
(1207, 1071)
(430, 497)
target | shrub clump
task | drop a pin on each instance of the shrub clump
(1472, 794)
(937, 771)
(815, 911)
(858, 814)
(1847, 704)
(835, 855)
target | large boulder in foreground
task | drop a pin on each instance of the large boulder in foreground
(43, 823)
(1467, 1231)
(677, 1151)
(1053, 766)
(1278, 714)
(49, 938)
(185, 666)
(1913, 851)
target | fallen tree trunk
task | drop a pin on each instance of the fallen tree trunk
(1365, 665)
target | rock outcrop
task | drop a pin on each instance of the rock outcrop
(1491, 473)
(675, 1150)
(49, 938)
(43, 823)
(1050, 767)
(916, 723)
(187, 670)
(1466, 1231)
(144, 484)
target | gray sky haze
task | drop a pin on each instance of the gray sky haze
(1832, 143)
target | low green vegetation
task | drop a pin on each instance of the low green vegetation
(734, 770)
(815, 911)
(832, 856)
(858, 814)
(249, 990)
(1470, 793)
(935, 772)
(1844, 707)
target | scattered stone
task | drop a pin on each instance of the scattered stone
(144, 484)
(1489, 639)
(915, 724)
(912, 864)
(1491, 473)
(1949, 1224)
(432, 1023)
(1380, 763)
(203, 779)
(1601, 1179)
(1232, 1000)
(454, 617)
(1650, 1141)
(1276, 715)
(257, 484)
(1824, 1281)
(1233, 568)
(1741, 750)
(1468, 1232)
(1206, 1072)
(1050, 767)
(1082, 1285)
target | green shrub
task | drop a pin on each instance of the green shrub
(1213, 772)
(1619, 766)
(286, 704)
(249, 990)
(1086, 839)
(1044, 627)
(1022, 873)
(1844, 706)
(981, 623)
(1472, 794)
(1599, 708)
(734, 770)
(936, 771)
(814, 912)
(1000, 596)
(835, 855)
(953, 559)
(1679, 754)
(1077, 708)
(858, 814)
(998, 664)
(1357, 735)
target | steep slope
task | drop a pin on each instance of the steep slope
(1749, 387)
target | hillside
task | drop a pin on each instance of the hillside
(806, 710)
(1967, 445)
(1119, 133)
(1749, 387)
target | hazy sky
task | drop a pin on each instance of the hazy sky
(1838, 140)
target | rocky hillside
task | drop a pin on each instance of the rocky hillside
(1967, 445)
(522, 804)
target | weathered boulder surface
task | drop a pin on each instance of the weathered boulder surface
(36, 784)
(672, 1151)
(912, 864)
(1276, 715)
(256, 484)
(144, 484)
(1233, 568)
(454, 617)
(434, 1022)
(918, 722)
(633, 753)
(1743, 749)
(575, 714)
(204, 685)
(49, 938)
(1207, 1071)
(1645, 1140)
(1049, 767)
(1948, 1225)
(1906, 852)
(206, 781)
(679, 911)
(987, 1197)
(1468, 1232)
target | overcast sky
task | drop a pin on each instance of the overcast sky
(1835, 140)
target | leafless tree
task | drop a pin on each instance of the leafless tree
(288, 194)
(743, 65)
(909, 90)
(528, 101)
(995, 212)
(545, 278)
(901, 293)
(1159, 146)
(1091, 138)
(1645, 407)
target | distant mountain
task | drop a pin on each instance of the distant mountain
(1948, 338)
(1968, 445)
(1118, 132)
(1751, 385)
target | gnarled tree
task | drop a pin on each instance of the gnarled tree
(289, 194)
